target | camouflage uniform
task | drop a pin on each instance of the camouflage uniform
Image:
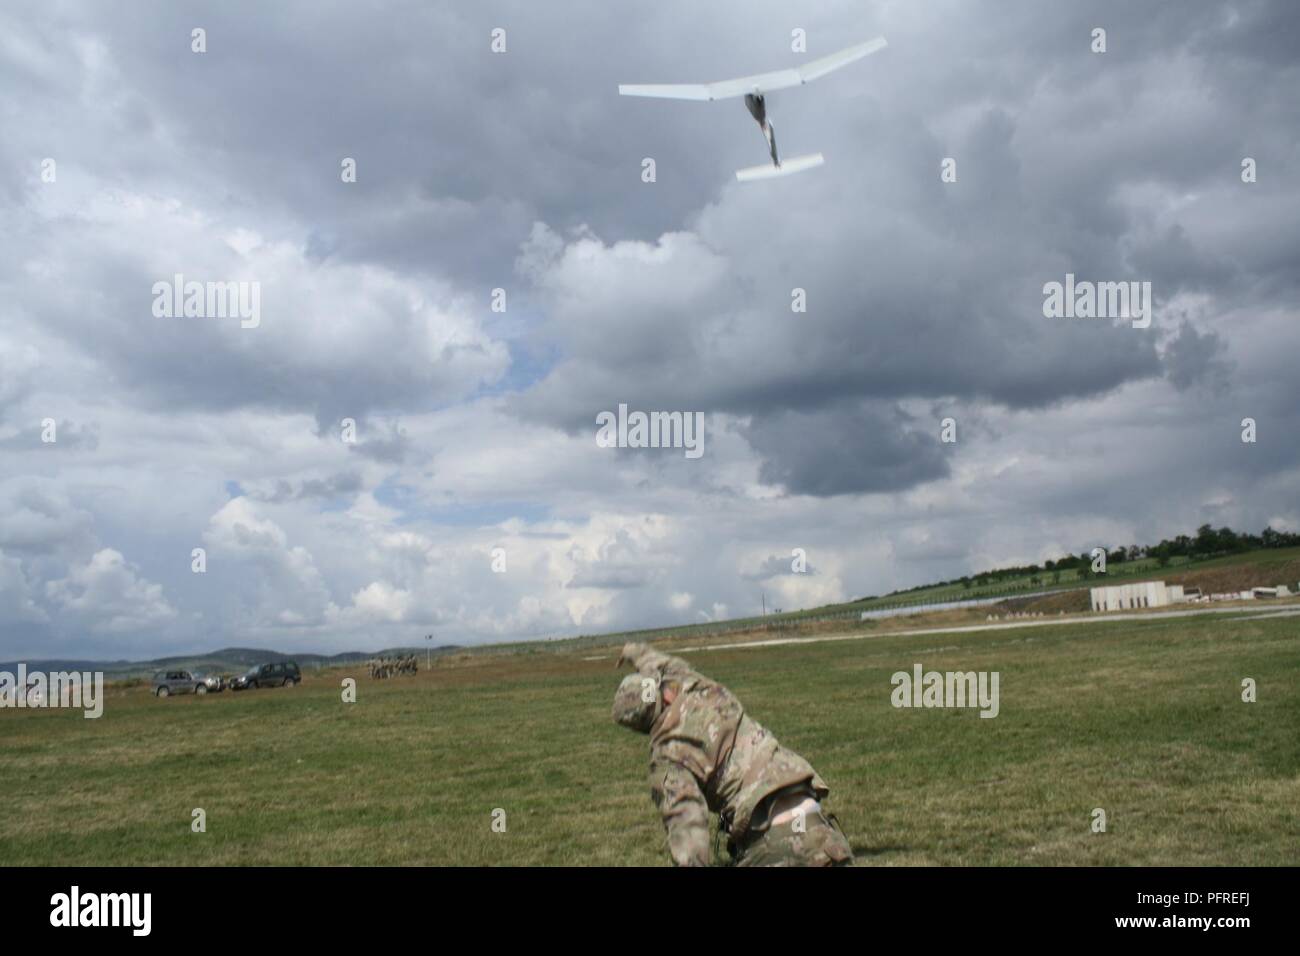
(707, 754)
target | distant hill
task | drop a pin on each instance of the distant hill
(228, 660)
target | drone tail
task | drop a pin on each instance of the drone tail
(769, 171)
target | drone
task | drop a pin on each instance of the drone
(754, 89)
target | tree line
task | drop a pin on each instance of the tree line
(1208, 542)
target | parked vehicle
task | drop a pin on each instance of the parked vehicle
(215, 683)
(279, 674)
(166, 683)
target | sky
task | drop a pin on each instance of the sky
(500, 272)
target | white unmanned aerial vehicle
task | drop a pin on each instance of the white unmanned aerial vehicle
(753, 88)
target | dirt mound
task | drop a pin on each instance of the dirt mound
(1071, 602)
(1239, 577)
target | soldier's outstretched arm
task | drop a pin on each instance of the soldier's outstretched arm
(654, 663)
(685, 813)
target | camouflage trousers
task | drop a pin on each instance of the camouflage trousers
(820, 844)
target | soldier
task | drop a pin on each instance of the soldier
(707, 754)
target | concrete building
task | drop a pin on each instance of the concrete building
(1127, 597)
(1280, 591)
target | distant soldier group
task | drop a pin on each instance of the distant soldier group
(385, 667)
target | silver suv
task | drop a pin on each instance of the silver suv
(166, 683)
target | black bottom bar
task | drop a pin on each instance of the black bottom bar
(340, 905)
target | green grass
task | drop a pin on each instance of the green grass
(1143, 719)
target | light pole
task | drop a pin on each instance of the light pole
(428, 651)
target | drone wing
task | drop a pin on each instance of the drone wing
(828, 64)
(758, 83)
(669, 91)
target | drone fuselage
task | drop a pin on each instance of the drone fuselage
(757, 106)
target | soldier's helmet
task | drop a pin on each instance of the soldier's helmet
(636, 702)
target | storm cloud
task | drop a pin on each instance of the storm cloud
(498, 274)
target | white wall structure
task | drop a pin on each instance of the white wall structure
(1127, 597)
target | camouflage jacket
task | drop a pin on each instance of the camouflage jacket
(707, 754)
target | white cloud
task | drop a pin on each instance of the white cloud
(378, 601)
(108, 595)
(17, 602)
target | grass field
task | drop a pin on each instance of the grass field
(1143, 719)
